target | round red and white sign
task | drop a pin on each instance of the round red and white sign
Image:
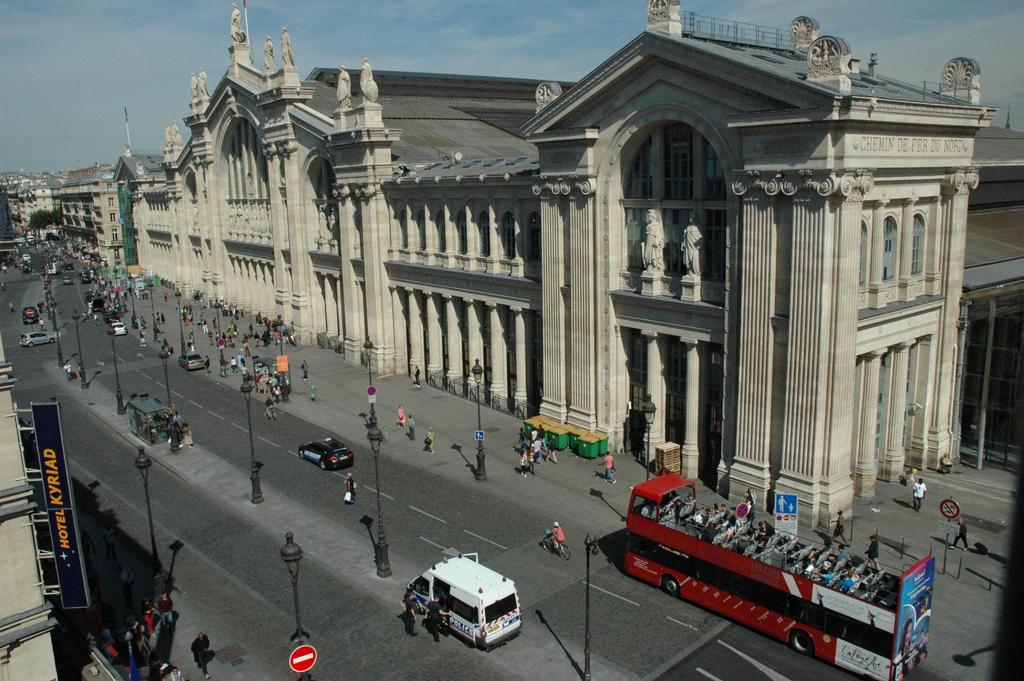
(949, 509)
(302, 659)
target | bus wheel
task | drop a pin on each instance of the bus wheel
(801, 642)
(669, 585)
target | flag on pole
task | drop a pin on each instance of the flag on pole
(133, 671)
(125, 113)
(245, 3)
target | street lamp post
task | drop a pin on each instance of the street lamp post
(291, 554)
(81, 359)
(648, 409)
(165, 354)
(480, 472)
(368, 347)
(375, 436)
(152, 308)
(591, 547)
(181, 329)
(254, 466)
(131, 295)
(117, 373)
(56, 329)
(143, 463)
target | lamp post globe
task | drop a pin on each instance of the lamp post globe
(117, 374)
(375, 436)
(291, 554)
(480, 472)
(648, 408)
(254, 465)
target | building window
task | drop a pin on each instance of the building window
(889, 250)
(113, 217)
(677, 152)
(862, 273)
(460, 230)
(441, 231)
(508, 235)
(675, 221)
(640, 180)
(714, 245)
(421, 229)
(636, 221)
(714, 179)
(533, 230)
(110, 201)
(483, 230)
(917, 245)
(403, 227)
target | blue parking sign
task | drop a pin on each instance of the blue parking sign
(785, 503)
(478, 435)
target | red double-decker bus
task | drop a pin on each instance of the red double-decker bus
(822, 602)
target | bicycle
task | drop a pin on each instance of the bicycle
(549, 544)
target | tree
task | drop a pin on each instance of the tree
(41, 219)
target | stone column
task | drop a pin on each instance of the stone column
(877, 252)
(691, 438)
(750, 465)
(375, 221)
(415, 332)
(656, 387)
(302, 269)
(521, 393)
(954, 213)
(352, 304)
(339, 312)
(399, 330)
(475, 340)
(864, 476)
(582, 361)
(903, 265)
(892, 462)
(499, 357)
(454, 340)
(919, 453)
(553, 402)
(436, 357)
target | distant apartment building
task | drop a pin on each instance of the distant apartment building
(90, 211)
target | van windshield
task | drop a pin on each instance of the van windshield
(498, 609)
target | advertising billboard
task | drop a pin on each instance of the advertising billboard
(60, 507)
(914, 618)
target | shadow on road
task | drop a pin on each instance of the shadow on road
(967, 660)
(600, 495)
(572, 660)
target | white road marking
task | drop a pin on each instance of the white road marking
(432, 543)
(146, 375)
(764, 669)
(216, 414)
(101, 362)
(195, 403)
(708, 674)
(177, 393)
(474, 534)
(272, 444)
(386, 496)
(139, 354)
(244, 430)
(673, 619)
(610, 593)
(303, 658)
(420, 510)
(161, 384)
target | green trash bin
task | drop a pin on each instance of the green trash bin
(587, 446)
(556, 436)
(602, 445)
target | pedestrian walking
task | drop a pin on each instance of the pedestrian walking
(609, 468)
(838, 529)
(206, 363)
(165, 608)
(428, 442)
(201, 652)
(410, 607)
(305, 370)
(434, 614)
(142, 339)
(108, 541)
(270, 410)
(411, 427)
(961, 534)
(186, 436)
(415, 378)
(920, 490)
(127, 579)
(873, 553)
(400, 417)
(234, 365)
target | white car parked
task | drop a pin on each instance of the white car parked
(119, 329)
(33, 338)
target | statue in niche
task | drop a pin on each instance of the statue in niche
(195, 87)
(268, 55)
(204, 89)
(693, 243)
(344, 91)
(176, 138)
(366, 83)
(654, 243)
(237, 34)
(287, 56)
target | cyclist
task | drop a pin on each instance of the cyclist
(557, 535)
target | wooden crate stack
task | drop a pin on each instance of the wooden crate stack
(666, 457)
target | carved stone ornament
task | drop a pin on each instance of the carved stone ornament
(961, 78)
(824, 185)
(564, 186)
(803, 31)
(828, 57)
(855, 185)
(547, 93)
(657, 10)
(962, 180)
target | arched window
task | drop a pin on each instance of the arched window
(714, 179)
(917, 245)
(862, 273)
(245, 164)
(508, 235)
(421, 229)
(483, 231)
(678, 156)
(460, 229)
(441, 231)
(533, 231)
(640, 180)
(889, 250)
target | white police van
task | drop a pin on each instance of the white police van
(484, 605)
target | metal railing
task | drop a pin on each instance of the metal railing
(462, 387)
(735, 31)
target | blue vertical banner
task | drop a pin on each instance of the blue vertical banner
(915, 617)
(60, 507)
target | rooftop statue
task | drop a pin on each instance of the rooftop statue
(195, 86)
(344, 91)
(176, 138)
(237, 34)
(367, 84)
(287, 56)
(204, 90)
(268, 55)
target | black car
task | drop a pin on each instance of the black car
(329, 454)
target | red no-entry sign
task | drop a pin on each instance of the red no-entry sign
(949, 509)
(302, 659)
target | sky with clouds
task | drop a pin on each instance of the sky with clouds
(67, 66)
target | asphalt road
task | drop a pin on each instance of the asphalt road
(232, 559)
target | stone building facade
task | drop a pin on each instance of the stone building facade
(757, 232)
(90, 211)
